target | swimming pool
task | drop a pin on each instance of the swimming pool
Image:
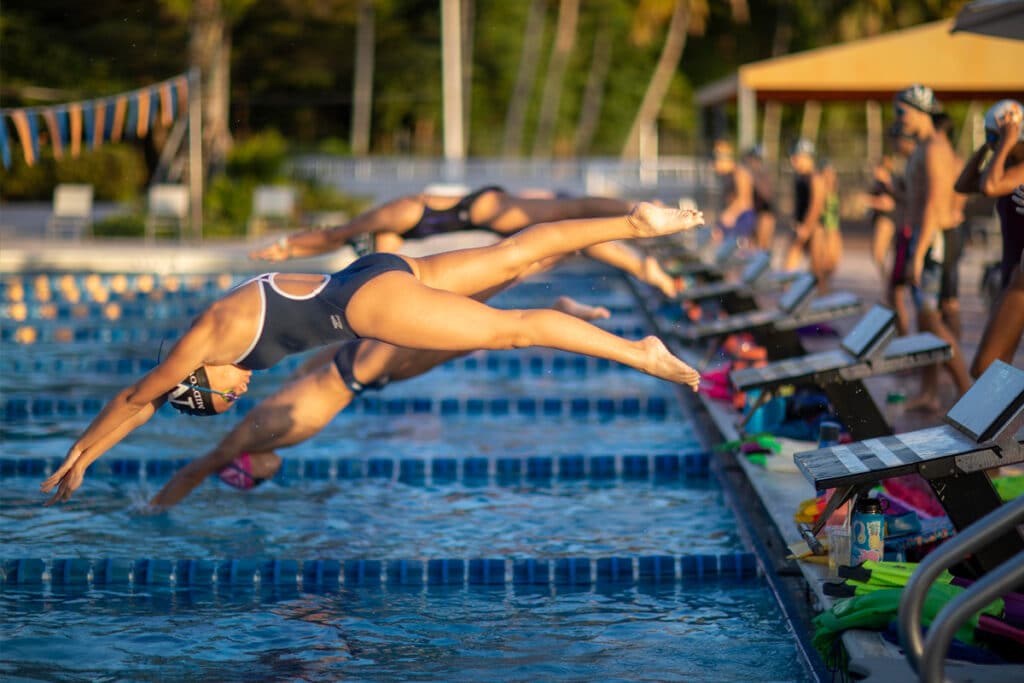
(520, 516)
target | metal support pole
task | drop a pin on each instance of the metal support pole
(747, 100)
(195, 152)
(451, 79)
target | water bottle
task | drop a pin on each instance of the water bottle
(895, 405)
(867, 533)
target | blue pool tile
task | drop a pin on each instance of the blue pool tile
(153, 572)
(657, 569)
(31, 467)
(405, 572)
(531, 572)
(699, 565)
(395, 406)
(70, 571)
(484, 571)
(475, 469)
(317, 468)
(499, 406)
(635, 467)
(371, 405)
(552, 406)
(195, 572)
(471, 363)
(571, 467)
(526, 406)
(539, 468)
(536, 365)
(411, 471)
(16, 409)
(8, 467)
(237, 572)
(614, 570)
(111, 570)
(320, 573)
(380, 468)
(602, 467)
(605, 407)
(492, 362)
(43, 407)
(509, 470)
(657, 406)
(579, 407)
(279, 572)
(515, 367)
(422, 405)
(572, 571)
(631, 406)
(446, 572)
(449, 406)
(666, 466)
(362, 572)
(350, 468)
(443, 470)
(697, 464)
(474, 406)
(123, 467)
(737, 564)
(24, 571)
(559, 363)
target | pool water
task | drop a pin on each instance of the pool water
(682, 628)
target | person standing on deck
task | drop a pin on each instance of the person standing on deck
(930, 174)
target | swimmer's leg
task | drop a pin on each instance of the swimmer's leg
(1004, 328)
(469, 271)
(507, 213)
(420, 316)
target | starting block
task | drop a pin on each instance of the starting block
(982, 431)
(871, 348)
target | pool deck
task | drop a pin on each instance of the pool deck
(779, 492)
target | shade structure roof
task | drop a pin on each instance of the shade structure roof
(955, 65)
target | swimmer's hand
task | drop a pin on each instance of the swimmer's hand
(67, 478)
(1018, 199)
(278, 251)
(654, 221)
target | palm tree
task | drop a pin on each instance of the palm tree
(685, 15)
(526, 74)
(565, 40)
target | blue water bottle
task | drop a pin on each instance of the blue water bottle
(867, 533)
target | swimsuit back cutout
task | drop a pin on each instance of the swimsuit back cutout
(452, 219)
(344, 360)
(291, 324)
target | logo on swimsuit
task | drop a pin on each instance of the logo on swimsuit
(336, 322)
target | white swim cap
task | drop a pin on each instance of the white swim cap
(996, 113)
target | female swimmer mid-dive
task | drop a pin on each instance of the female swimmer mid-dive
(422, 303)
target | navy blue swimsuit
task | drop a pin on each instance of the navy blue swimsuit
(292, 324)
(453, 219)
(344, 359)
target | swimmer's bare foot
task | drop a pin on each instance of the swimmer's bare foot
(660, 362)
(925, 403)
(654, 221)
(582, 311)
(656, 277)
(275, 252)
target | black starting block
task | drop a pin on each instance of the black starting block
(869, 349)
(983, 430)
(777, 329)
(738, 297)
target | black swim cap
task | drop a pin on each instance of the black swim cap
(920, 97)
(192, 395)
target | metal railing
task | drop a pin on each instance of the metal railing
(927, 655)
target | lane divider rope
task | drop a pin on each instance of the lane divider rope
(17, 409)
(472, 470)
(150, 573)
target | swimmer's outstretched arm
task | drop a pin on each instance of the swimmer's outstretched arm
(399, 216)
(128, 410)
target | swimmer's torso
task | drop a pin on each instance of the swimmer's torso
(450, 219)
